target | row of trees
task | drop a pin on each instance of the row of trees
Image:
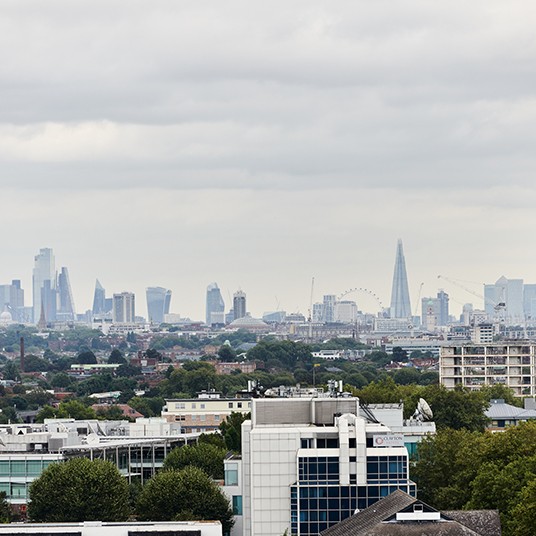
(459, 469)
(84, 490)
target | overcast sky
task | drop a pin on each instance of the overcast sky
(258, 144)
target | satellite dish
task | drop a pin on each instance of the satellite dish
(92, 439)
(424, 409)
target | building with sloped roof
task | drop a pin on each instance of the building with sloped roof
(399, 514)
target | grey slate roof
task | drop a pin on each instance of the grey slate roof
(380, 520)
(366, 519)
(501, 410)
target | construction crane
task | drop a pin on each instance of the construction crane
(411, 320)
(310, 319)
(499, 307)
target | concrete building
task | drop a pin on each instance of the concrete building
(124, 308)
(508, 292)
(12, 300)
(205, 413)
(346, 312)
(473, 365)
(138, 449)
(328, 308)
(239, 305)
(308, 463)
(100, 528)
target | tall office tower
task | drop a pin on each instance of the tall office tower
(99, 299)
(44, 270)
(123, 309)
(400, 304)
(158, 302)
(66, 310)
(215, 311)
(508, 292)
(239, 304)
(328, 310)
(318, 312)
(529, 301)
(12, 298)
(435, 311)
(443, 300)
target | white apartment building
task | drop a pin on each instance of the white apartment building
(205, 413)
(308, 463)
(473, 365)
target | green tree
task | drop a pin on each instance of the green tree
(186, 494)
(5, 509)
(86, 356)
(79, 490)
(523, 515)
(231, 430)
(226, 353)
(448, 463)
(207, 457)
(117, 357)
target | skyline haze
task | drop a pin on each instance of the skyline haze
(175, 144)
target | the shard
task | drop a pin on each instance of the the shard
(400, 304)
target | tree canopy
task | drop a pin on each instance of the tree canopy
(79, 490)
(182, 495)
(205, 456)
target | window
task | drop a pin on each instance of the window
(216, 417)
(202, 417)
(237, 505)
(194, 418)
(306, 443)
(180, 405)
(194, 405)
(202, 406)
(239, 404)
(318, 469)
(230, 405)
(231, 474)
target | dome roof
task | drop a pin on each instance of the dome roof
(6, 317)
(247, 322)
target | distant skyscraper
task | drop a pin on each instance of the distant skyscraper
(44, 270)
(66, 303)
(12, 298)
(215, 312)
(328, 309)
(508, 292)
(239, 304)
(99, 299)
(158, 302)
(400, 304)
(124, 311)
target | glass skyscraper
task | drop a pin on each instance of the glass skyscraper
(158, 302)
(215, 311)
(44, 270)
(400, 304)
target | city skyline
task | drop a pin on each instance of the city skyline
(460, 292)
(187, 157)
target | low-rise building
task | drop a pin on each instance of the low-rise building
(99, 528)
(205, 413)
